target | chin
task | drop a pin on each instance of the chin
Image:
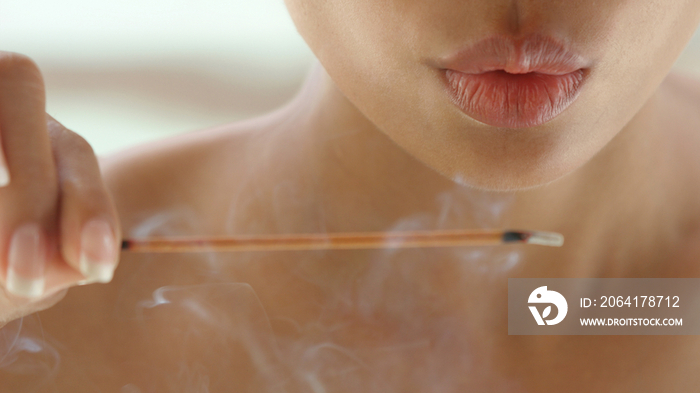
(525, 163)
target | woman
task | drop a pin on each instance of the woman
(556, 116)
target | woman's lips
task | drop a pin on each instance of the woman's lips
(504, 82)
(500, 99)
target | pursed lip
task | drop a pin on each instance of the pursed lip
(514, 83)
(536, 53)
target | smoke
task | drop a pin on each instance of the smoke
(316, 321)
(26, 354)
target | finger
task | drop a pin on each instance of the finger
(21, 306)
(89, 225)
(28, 204)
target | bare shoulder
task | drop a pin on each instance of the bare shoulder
(684, 88)
(681, 91)
(181, 172)
(680, 119)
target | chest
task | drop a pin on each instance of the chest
(285, 324)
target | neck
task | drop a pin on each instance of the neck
(626, 200)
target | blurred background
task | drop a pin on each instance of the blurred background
(125, 72)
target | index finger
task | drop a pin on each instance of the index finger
(28, 203)
(23, 133)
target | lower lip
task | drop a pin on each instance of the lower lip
(500, 99)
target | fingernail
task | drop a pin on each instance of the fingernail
(26, 260)
(97, 251)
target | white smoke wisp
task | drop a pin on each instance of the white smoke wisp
(390, 320)
(400, 290)
(26, 354)
(208, 323)
(485, 210)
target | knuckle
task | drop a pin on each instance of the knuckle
(81, 189)
(79, 143)
(69, 142)
(78, 174)
(80, 183)
(85, 191)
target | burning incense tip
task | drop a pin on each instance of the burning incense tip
(340, 241)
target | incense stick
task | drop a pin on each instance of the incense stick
(339, 241)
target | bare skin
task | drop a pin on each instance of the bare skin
(616, 173)
(447, 334)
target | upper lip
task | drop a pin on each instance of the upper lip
(536, 53)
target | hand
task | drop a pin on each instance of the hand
(58, 223)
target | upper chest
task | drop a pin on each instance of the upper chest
(401, 322)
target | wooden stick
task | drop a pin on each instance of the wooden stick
(340, 241)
